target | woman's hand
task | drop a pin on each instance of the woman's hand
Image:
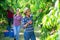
(30, 22)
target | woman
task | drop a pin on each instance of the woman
(28, 25)
(17, 24)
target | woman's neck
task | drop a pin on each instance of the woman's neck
(27, 16)
(17, 14)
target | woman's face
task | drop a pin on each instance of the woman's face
(28, 12)
(17, 12)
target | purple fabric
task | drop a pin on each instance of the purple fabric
(17, 20)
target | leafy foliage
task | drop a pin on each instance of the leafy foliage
(45, 14)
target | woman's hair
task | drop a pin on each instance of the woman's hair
(25, 10)
(17, 9)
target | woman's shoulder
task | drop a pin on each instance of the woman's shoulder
(14, 14)
(20, 16)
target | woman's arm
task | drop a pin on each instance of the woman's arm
(26, 25)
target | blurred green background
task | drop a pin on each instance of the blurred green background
(46, 16)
